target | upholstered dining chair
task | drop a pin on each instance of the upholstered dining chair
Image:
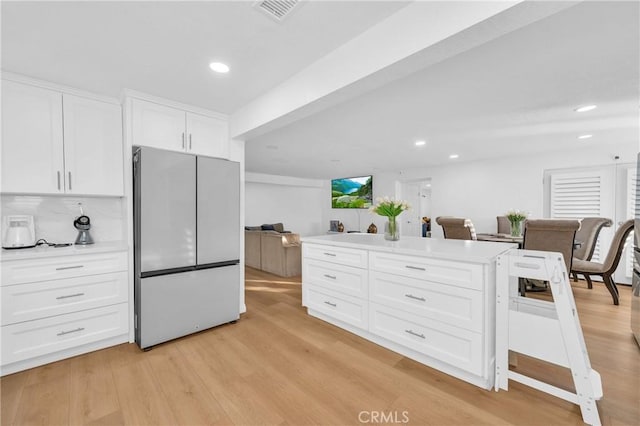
(587, 235)
(550, 235)
(606, 269)
(504, 226)
(456, 228)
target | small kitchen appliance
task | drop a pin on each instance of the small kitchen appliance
(18, 231)
(83, 224)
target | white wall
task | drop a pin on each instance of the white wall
(54, 215)
(297, 203)
(485, 189)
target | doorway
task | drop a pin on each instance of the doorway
(418, 194)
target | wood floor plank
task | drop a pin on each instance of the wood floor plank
(279, 366)
(92, 390)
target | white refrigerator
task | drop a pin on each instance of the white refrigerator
(186, 244)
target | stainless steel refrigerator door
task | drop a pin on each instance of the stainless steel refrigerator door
(179, 304)
(167, 209)
(218, 210)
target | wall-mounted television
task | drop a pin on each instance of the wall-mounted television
(352, 193)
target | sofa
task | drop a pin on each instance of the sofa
(271, 249)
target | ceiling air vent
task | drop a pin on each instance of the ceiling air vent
(277, 9)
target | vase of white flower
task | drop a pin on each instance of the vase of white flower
(391, 209)
(516, 217)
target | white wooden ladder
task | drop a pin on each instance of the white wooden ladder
(549, 331)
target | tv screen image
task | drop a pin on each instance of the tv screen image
(352, 193)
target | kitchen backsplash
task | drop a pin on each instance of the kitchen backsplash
(54, 215)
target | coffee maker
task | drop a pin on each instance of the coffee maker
(18, 231)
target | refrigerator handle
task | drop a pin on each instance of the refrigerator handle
(182, 140)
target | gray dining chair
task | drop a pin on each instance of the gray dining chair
(587, 236)
(610, 264)
(456, 228)
(555, 235)
(504, 226)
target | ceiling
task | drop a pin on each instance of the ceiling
(510, 96)
(164, 48)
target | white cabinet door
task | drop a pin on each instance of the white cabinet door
(158, 126)
(93, 146)
(207, 136)
(32, 147)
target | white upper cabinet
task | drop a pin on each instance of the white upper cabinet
(207, 135)
(93, 146)
(165, 127)
(158, 126)
(57, 143)
(32, 146)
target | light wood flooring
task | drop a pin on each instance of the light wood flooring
(278, 365)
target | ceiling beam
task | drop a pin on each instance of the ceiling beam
(417, 36)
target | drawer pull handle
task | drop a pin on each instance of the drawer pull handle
(62, 268)
(413, 333)
(527, 265)
(411, 296)
(62, 333)
(330, 254)
(415, 267)
(331, 304)
(69, 295)
(333, 277)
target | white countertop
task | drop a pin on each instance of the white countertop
(72, 250)
(469, 251)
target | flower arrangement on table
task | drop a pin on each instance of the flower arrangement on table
(516, 217)
(391, 209)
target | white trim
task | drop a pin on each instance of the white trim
(282, 180)
(18, 78)
(129, 93)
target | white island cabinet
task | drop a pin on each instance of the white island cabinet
(431, 300)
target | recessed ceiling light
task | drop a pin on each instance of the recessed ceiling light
(585, 136)
(333, 160)
(453, 156)
(421, 143)
(272, 146)
(585, 108)
(219, 67)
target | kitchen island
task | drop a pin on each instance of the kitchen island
(431, 300)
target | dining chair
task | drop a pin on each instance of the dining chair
(456, 228)
(550, 235)
(610, 264)
(587, 236)
(504, 226)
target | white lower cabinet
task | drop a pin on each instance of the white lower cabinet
(30, 339)
(434, 310)
(61, 306)
(459, 347)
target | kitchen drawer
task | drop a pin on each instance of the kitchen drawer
(455, 346)
(453, 305)
(54, 268)
(340, 255)
(31, 301)
(341, 278)
(460, 274)
(339, 306)
(31, 339)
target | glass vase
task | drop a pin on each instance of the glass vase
(516, 228)
(391, 229)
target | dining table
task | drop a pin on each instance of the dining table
(507, 238)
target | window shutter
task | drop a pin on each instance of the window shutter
(632, 184)
(575, 195)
